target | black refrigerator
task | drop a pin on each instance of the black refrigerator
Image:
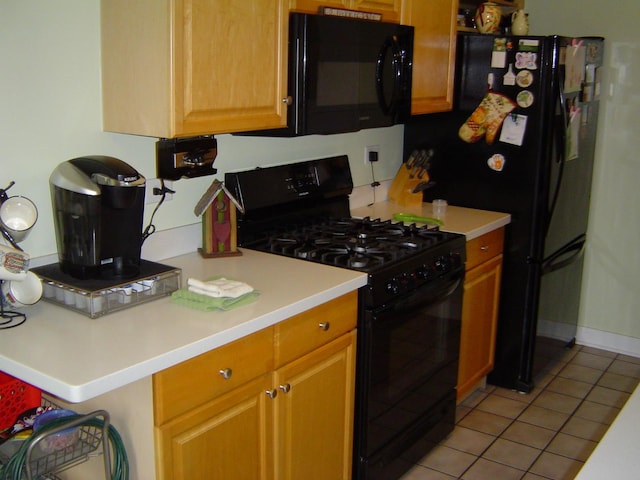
(521, 140)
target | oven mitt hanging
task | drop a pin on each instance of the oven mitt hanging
(487, 118)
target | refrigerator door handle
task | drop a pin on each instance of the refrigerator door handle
(561, 127)
(565, 255)
(560, 135)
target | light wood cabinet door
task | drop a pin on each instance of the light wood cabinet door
(479, 322)
(227, 438)
(176, 68)
(433, 53)
(314, 429)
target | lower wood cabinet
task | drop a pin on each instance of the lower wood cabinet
(293, 421)
(227, 437)
(314, 412)
(480, 310)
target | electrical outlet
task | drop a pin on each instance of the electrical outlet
(151, 183)
(371, 154)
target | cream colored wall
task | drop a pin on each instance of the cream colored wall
(51, 112)
(610, 309)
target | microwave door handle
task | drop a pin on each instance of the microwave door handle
(390, 44)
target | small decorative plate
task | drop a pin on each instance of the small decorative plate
(524, 78)
(525, 99)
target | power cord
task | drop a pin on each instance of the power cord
(374, 183)
(151, 228)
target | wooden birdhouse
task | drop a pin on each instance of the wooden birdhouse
(219, 222)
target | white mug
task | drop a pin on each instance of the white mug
(14, 264)
(22, 293)
(18, 215)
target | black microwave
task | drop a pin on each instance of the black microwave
(346, 75)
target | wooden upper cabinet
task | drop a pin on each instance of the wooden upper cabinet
(389, 9)
(433, 53)
(173, 68)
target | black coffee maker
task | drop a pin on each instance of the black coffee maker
(98, 206)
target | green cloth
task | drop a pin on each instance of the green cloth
(210, 304)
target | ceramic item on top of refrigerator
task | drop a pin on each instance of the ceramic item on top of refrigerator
(538, 168)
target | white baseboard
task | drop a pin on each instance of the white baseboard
(590, 337)
(611, 342)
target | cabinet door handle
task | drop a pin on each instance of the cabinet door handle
(287, 100)
(286, 388)
(324, 326)
(226, 373)
(484, 248)
(272, 393)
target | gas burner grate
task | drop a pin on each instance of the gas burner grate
(357, 243)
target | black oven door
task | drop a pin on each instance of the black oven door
(351, 74)
(407, 372)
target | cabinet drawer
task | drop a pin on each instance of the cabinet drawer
(483, 248)
(202, 378)
(307, 331)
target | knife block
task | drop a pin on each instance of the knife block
(219, 229)
(401, 190)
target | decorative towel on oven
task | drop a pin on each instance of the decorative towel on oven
(214, 294)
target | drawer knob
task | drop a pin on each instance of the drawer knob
(286, 388)
(272, 393)
(484, 248)
(226, 373)
(288, 100)
(324, 326)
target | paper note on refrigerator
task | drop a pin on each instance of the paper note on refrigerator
(513, 129)
(574, 67)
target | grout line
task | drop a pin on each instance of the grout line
(472, 402)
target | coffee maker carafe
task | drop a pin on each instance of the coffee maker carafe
(98, 206)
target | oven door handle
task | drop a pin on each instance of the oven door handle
(431, 292)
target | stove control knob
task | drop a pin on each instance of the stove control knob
(442, 264)
(423, 272)
(392, 287)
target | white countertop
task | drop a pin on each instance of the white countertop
(76, 358)
(616, 455)
(468, 221)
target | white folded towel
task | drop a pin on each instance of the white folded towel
(220, 287)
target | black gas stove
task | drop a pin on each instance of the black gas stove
(409, 311)
(360, 244)
(396, 256)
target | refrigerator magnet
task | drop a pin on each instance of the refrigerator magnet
(513, 129)
(524, 99)
(526, 60)
(499, 53)
(528, 45)
(524, 78)
(509, 78)
(496, 162)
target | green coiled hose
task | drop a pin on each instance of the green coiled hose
(15, 469)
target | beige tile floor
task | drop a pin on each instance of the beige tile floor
(544, 435)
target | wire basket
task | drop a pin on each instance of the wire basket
(16, 397)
